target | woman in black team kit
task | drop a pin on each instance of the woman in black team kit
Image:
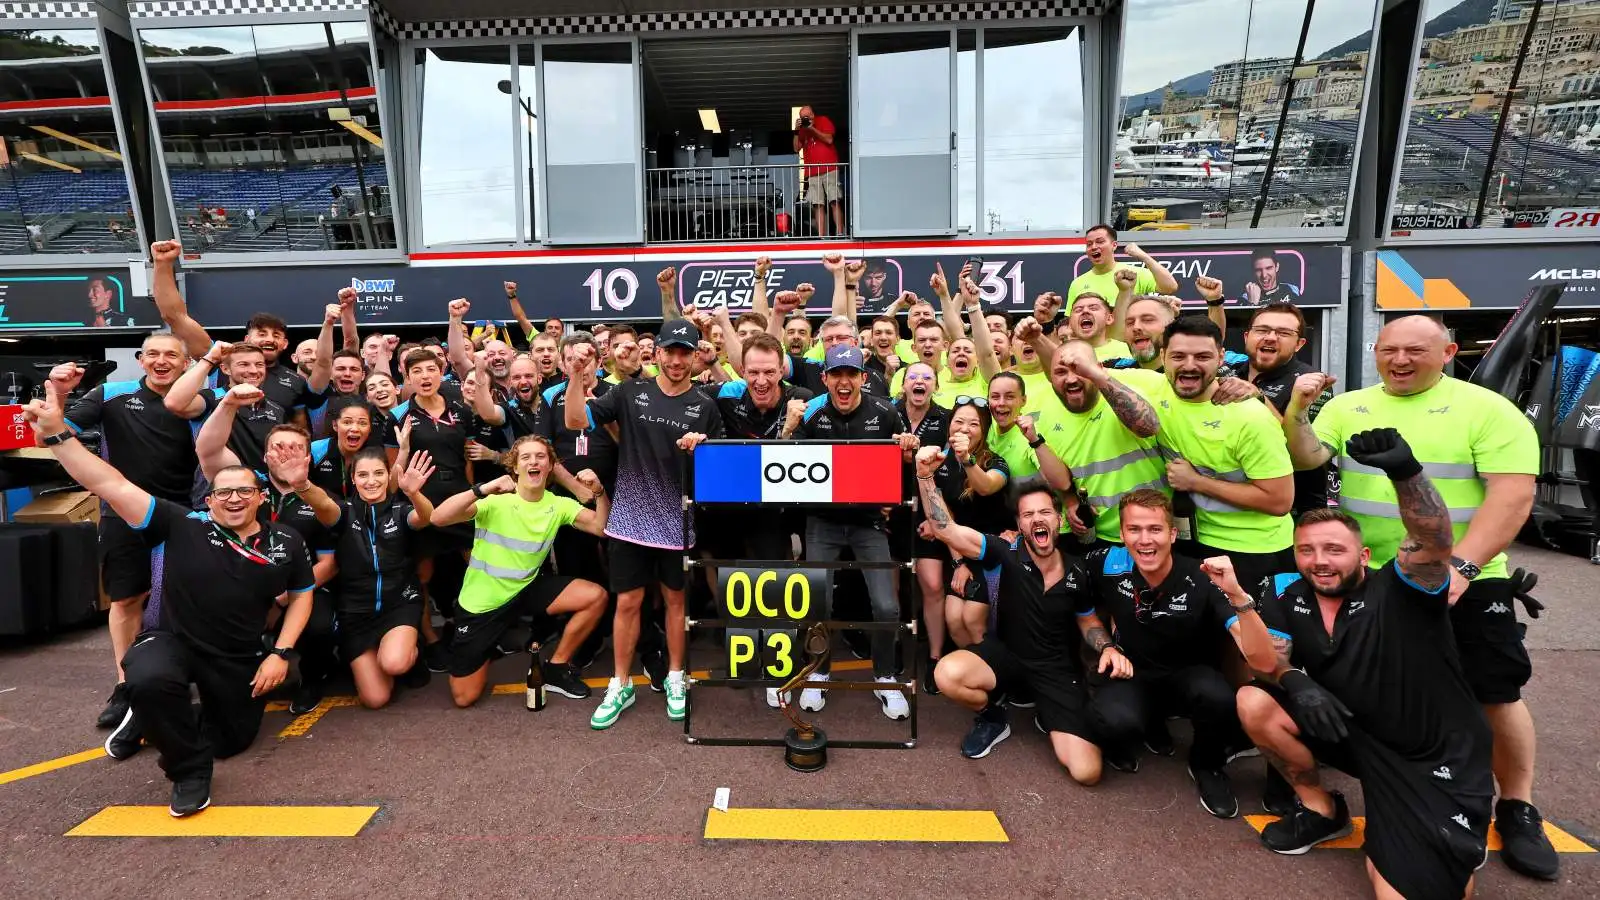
(439, 427)
(376, 595)
(972, 481)
(351, 430)
(383, 397)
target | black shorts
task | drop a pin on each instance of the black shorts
(1057, 688)
(636, 566)
(476, 634)
(1489, 639)
(125, 559)
(1413, 835)
(362, 632)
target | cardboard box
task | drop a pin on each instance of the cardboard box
(62, 508)
(14, 432)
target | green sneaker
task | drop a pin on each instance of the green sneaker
(677, 696)
(617, 699)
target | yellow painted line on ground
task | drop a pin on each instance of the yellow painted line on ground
(940, 825)
(228, 821)
(302, 724)
(1561, 840)
(50, 765)
(600, 683)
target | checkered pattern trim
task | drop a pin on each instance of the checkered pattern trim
(157, 9)
(64, 10)
(802, 17)
(385, 22)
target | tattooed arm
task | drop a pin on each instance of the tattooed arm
(1094, 632)
(1424, 556)
(1135, 412)
(964, 541)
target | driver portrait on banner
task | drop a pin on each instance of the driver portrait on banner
(1266, 284)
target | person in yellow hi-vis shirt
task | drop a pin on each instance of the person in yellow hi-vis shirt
(1089, 320)
(1482, 454)
(1229, 458)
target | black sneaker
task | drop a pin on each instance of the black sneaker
(516, 639)
(1523, 844)
(126, 739)
(1278, 798)
(416, 677)
(436, 657)
(306, 697)
(655, 668)
(860, 644)
(116, 707)
(983, 737)
(928, 685)
(1303, 829)
(563, 679)
(190, 795)
(1158, 739)
(1121, 760)
(1216, 792)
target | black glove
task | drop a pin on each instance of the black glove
(1384, 448)
(1318, 713)
(1522, 584)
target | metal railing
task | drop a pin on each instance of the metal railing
(733, 203)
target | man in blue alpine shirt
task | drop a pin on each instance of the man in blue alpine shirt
(1367, 678)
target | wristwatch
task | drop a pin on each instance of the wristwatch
(1468, 570)
(58, 438)
(477, 491)
(1249, 603)
(287, 654)
(1036, 442)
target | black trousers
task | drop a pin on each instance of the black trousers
(160, 667)
(318, 641)
(1125, 709)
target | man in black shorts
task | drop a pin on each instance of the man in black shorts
(221, 571)
(155, 450)
(1043, 610)
(1168, 611)
(1367, 678)
(654, 421)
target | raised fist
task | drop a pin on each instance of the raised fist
(459, 308)
(833, 262)
(929, 459)
(1308, 387)
(805, 289)
(1027, 329)
(667, 279)
(854, 269)
(763, 266)
(1125, 278)
(1209, 288)
(1384, 448)
(66, 376)
(165, 253)
(332, 312)
(511, 289)
(961, 445)
(347, 296)
(242, 395)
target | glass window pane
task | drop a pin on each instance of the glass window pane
(592, 147)
(528, 127)
(467, 184)
(62, 184)
(1032, 129)
(902, 133)
(271, 137)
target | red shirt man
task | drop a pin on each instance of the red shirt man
(816, 142)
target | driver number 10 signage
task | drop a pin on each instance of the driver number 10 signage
(768, 600)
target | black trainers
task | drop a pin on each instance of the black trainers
(1523, 844)
(116, 707)
(655, 668)
(190, 795)
(983, 737)
(1278, 797)
(1121, 760)
(415, 677)
(860, 644)
(928, 685)
(1158, 739)
(563, 679)
(306, 697)
(436, 657)
(126, 739)
(1216, 792)
(1303, 829)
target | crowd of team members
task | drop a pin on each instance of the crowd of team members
(1104, 497)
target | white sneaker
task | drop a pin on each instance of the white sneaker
(814, 699)
(894, 702)
(772, 698)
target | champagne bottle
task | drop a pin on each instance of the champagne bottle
(1183, 512)
(536, 695)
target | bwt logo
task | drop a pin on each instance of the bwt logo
(796, 473)
(372, 285)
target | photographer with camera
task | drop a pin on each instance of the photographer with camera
(813, 138)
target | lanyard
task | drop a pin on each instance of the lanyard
(239, 547)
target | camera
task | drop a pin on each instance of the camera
(805, 121)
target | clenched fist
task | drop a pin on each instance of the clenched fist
(459, 308)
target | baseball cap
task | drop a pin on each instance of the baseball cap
(842, 356)
(679, 333)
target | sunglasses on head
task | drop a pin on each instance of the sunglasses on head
(979, 402)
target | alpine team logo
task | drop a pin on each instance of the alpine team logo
(375, 295)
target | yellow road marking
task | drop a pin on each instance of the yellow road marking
(302, 724)
(228, 821)
(638, 680)
(1561, 840)
(945, 825)
(50, 765)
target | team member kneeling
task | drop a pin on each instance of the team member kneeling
(220, 574)
(377, 598)
(1368, 679)
(515, 521)
(1033, 647)
(1168, 611)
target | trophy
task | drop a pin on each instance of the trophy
(805, 745)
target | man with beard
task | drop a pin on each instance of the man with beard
(1266, 288)
(1090, 321)
(1482, 455)
(520, 412)
(1229, 458)
(847, 413)
(1275, 335)
(1093, 457)
(797, 334)
(653, 421)
(1144, 322)
(221, 573)
(154, 450)
(1100, 246)
(1167, 610)
(1044, 614)
(1368, 679)
(239, 364)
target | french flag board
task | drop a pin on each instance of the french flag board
(797, 473)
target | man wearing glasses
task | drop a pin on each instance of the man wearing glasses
(1277, 332)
